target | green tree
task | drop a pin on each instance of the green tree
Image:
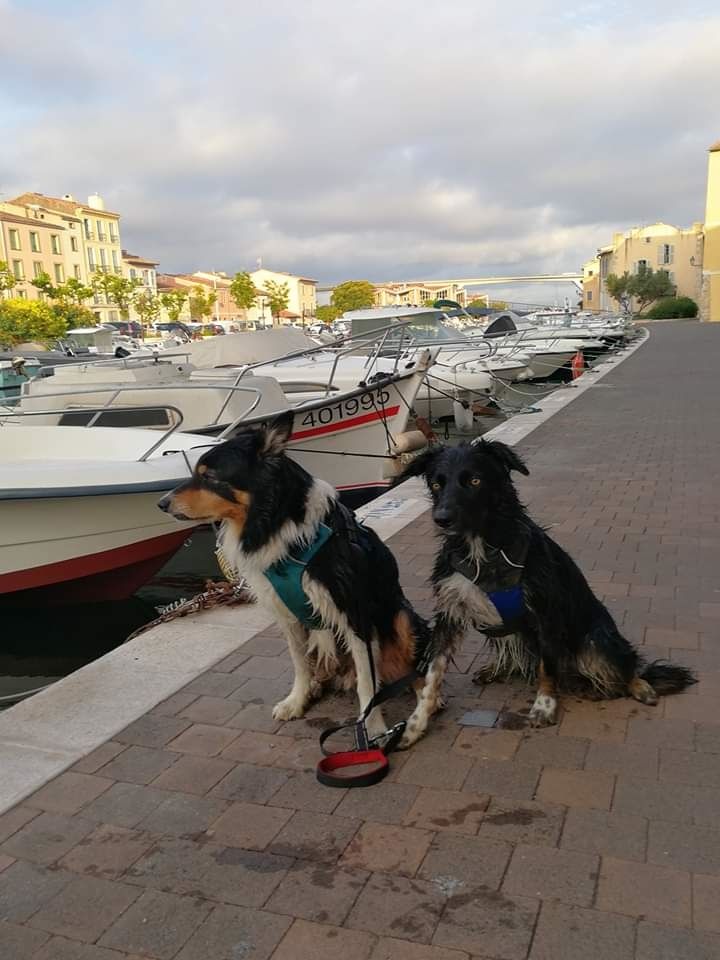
(174, 301)
(619, 289)
(74, 291)
(327, 313)
(278, 295)
(119, 291)
(29, 320)
(7, 278)
(73, 314)
(147, 306)
(202, 303)
(649, 286)
(353, 295)
(242, 290)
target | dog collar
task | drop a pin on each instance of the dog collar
(286, 578)
(509, 602)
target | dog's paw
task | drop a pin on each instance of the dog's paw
(291, 708)
(543, 712)
(641, 691)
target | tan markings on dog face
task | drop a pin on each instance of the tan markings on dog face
(398, 657)
(202, 504)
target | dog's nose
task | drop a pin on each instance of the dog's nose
(443, 518)
(164, 504)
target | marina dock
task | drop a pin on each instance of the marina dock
(151, 806)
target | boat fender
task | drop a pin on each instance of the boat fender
(578, 365)
(409, 441)
(463, 415)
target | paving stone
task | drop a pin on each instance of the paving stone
(608, 834)
(249, 825)
(694, 848)
(69, 792)
(487, 744)
(244, 878)
(315, 836)
(655, 942)
(315, 941)
(677, 802)
(623, 760)
(58, 948)
(173, 866)
(644, 890)
(551, 874)
(398, 907)
(502, 778)
(389, 802)
(265, 749)
(193, 774)
(563, 752)
(125, 804)
(706, 903)
(174, 704)
(6, 862)
(265, 644)
(653, 732)
(250, 783)
(298, 755)
(389, 948)
(576, 788)
(387, 848)
(265, 668)
(14, 819)
(152, 730)
(447, 810)
(215, 710)
(302, 791)
(20, 943)
(84, 908)
(707, 738)
(231, 662)
(257, 690)
(107, 852)
(203, 740)
(318, 892)
(442, 770)
(158, 925)
(569, 933)
(211, 684)
(47, 837)
(138, 765)
(184, 815)
(98, 758)
(502, 926)
(523, 822)
(234, 932)
(255, 716)
(25, 888)
(456, 863)
(686, 766)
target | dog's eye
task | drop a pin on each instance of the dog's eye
(475, 481)
(435, 486)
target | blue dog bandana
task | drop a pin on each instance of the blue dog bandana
(286, 579)
(510, 604)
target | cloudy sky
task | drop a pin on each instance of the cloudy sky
(364, 138)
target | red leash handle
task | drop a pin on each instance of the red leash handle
(352, 758)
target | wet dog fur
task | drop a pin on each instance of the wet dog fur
(565, 637)
(267, 506)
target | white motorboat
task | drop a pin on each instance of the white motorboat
(350, 430)
(78, 509)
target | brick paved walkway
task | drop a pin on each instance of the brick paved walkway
(199, 833)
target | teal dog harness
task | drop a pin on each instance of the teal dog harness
(286, 579)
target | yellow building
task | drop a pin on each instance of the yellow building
(417, 293)
(591, 284)
(32, 245)
(710, 295)
(302, 294)
(89, 244)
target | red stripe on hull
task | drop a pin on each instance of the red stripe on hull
(346, 424)
(107, 575)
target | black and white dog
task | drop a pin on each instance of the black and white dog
(499, 571)
(330, 582)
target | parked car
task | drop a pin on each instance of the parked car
(130, 328)
(175, 327)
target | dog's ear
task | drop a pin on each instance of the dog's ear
(277, 434)
(505, 455)
(419, 465)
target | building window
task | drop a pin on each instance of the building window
(22, 294)
(115, 262)
(37, 268)
(113, 316)
(146, 278)
(666, 253)
(59, 273)
(88, 230)
(641, 265)
(103, 258)
(14, 239)
(91, 259)
(18, 269)
(55, 243)
(133, 273)
(76, 271)
(589, 295)
(74, 244)
(114, 235)
(34, 242)
(100, 229)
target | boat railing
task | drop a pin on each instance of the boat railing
(115, 392)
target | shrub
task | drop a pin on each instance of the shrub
(671, 308)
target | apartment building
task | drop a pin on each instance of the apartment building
(32, 245)
(418, 293)
(710, 289)
(591, 284)
(90, 242)
(302, 294)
